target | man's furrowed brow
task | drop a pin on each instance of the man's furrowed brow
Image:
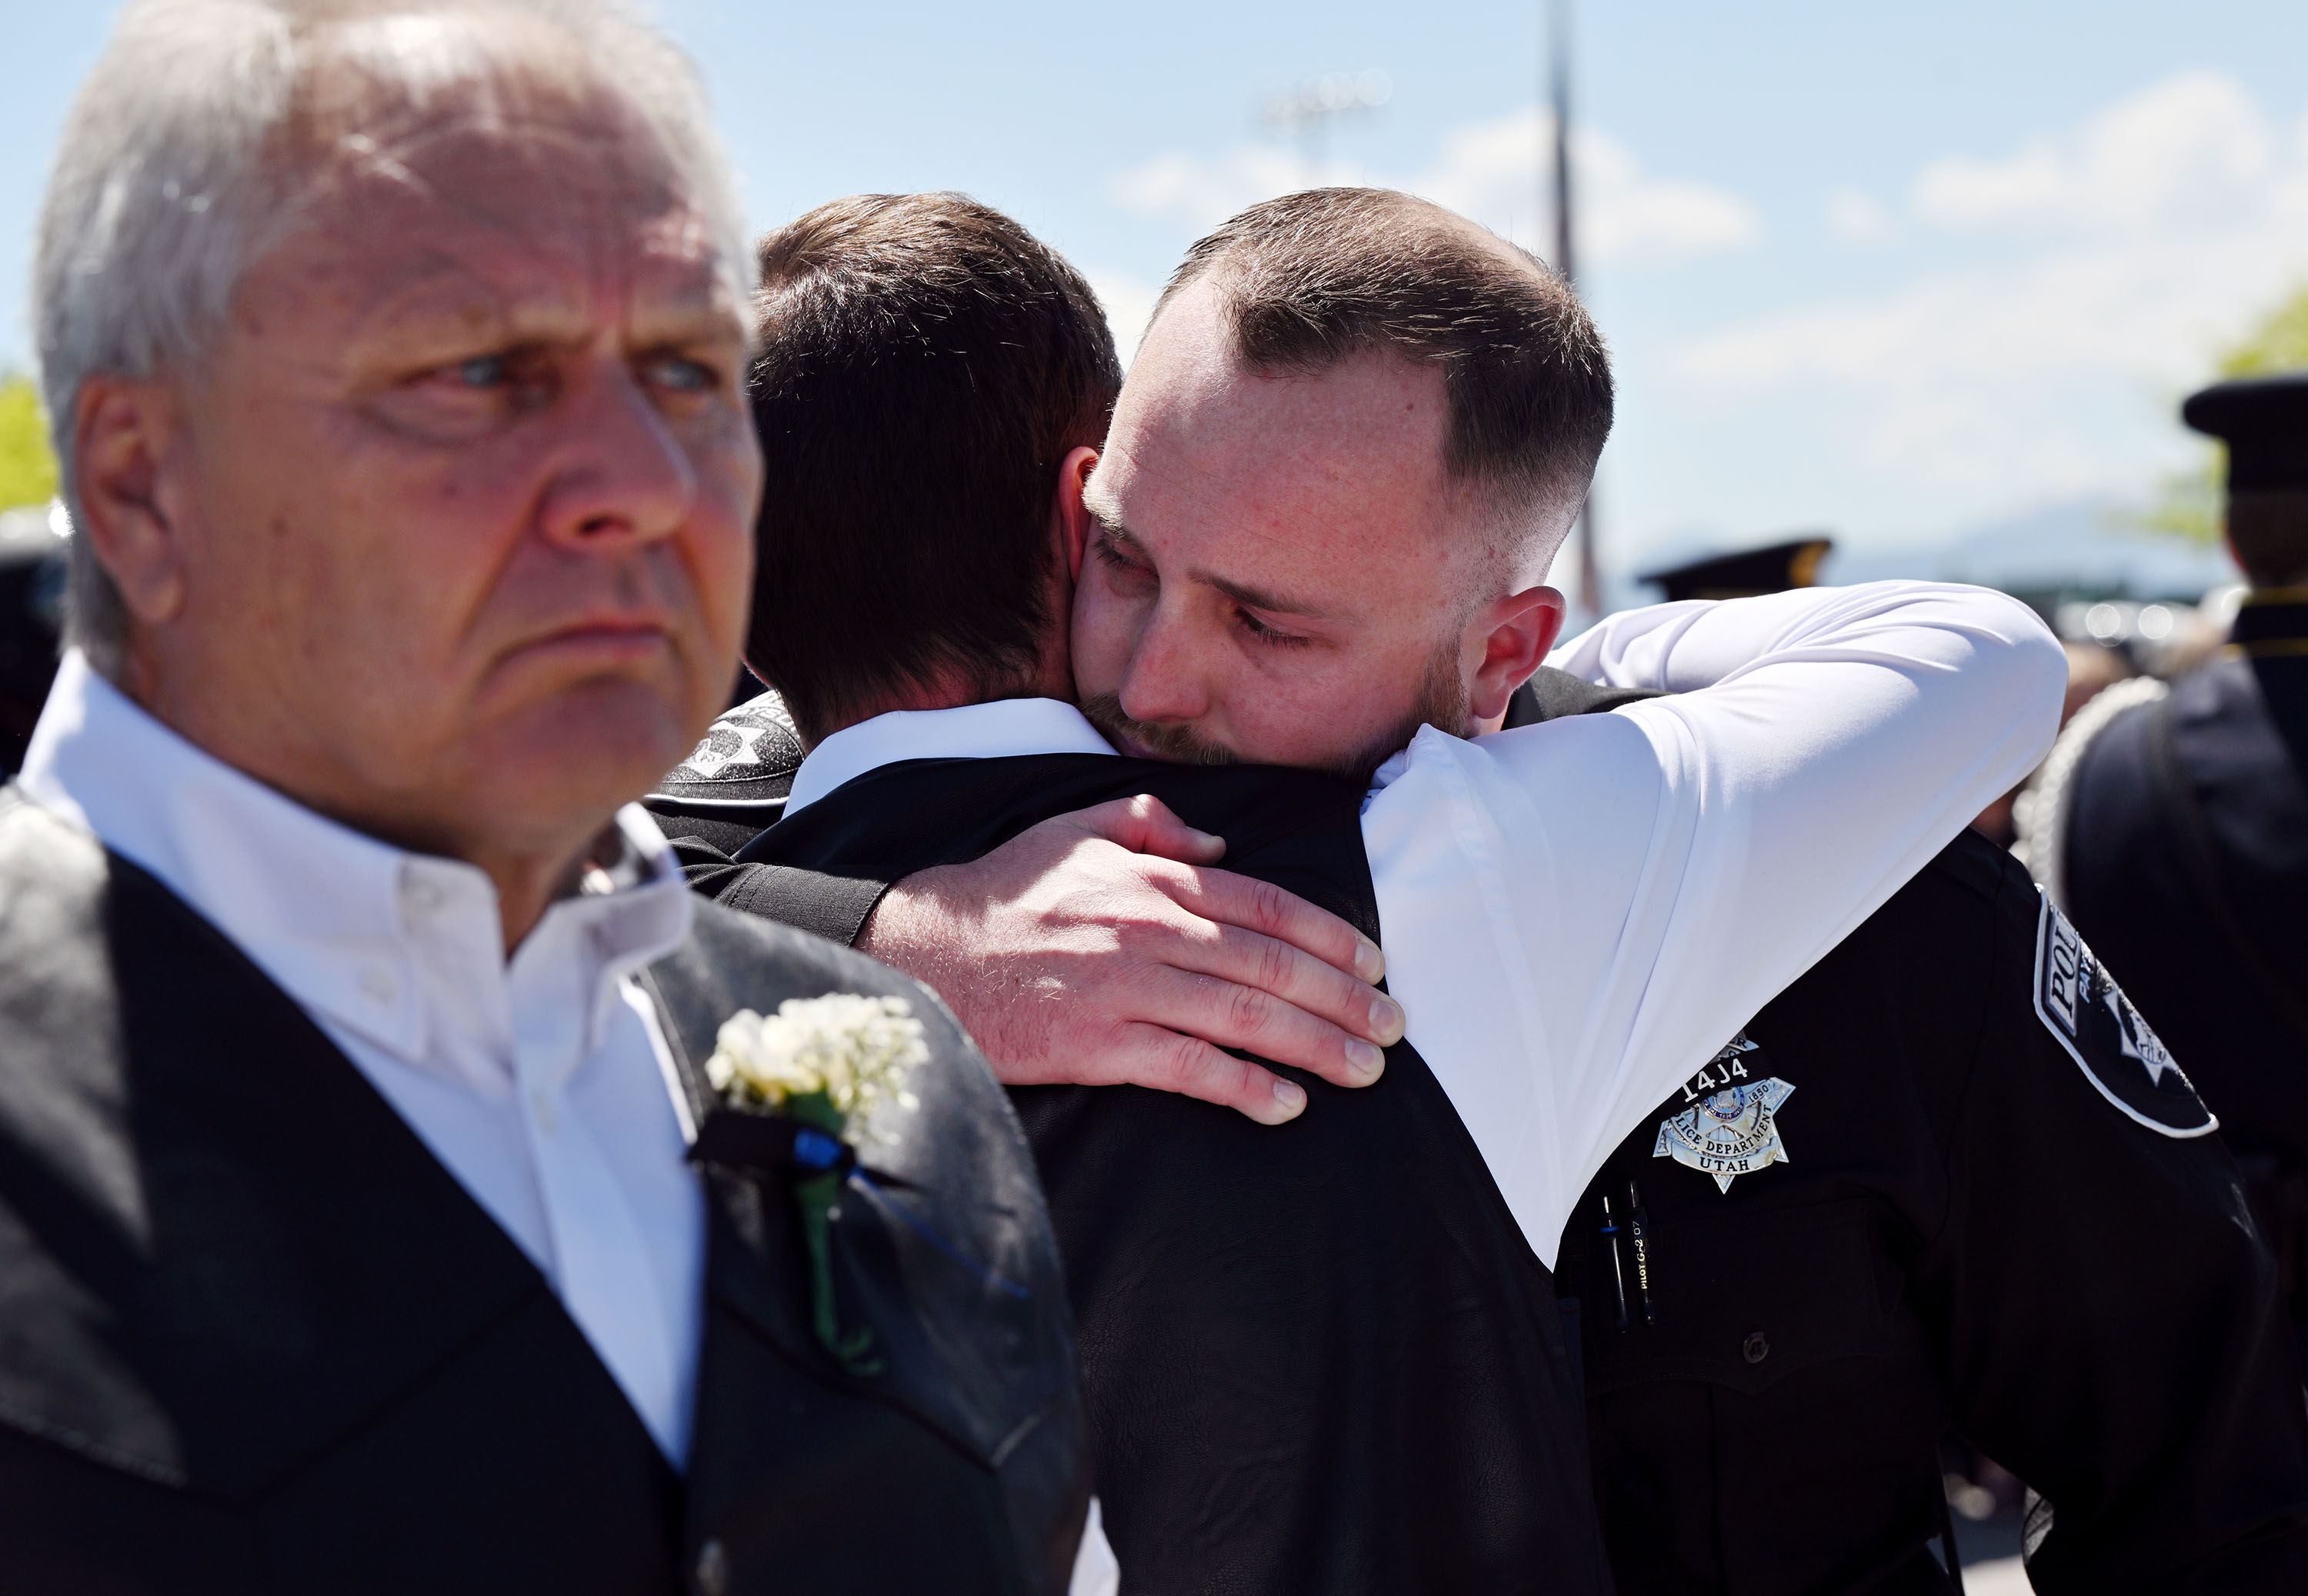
(1116, 536)
(1104, 511)
(1252, 596)
(1247, 594)
(457, 307)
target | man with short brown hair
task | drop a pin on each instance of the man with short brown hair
(990, 400)
(1442, 333)
(1329, 1358)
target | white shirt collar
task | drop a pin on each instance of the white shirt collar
(991, 731)
(359, 933)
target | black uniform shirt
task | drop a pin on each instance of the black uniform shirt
(2186, 868)
(2166, 930)
(1947, 1179)
(1838, 1262)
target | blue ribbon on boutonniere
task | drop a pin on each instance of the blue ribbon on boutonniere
(739, 1138)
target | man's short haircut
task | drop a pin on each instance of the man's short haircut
(923, 366)
(180, 165)
(1312, 278)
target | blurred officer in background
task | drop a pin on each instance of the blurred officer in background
(1796, 1276)
(1750, 573)
(31, 598)
(2177, 826)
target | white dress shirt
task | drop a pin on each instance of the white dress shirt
(990, 731)
(1578, 914)
(541, 1081)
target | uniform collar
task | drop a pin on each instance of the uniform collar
(2271, 621)
(1000, 729)
(386, 943)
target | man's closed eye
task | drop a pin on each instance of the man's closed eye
(1267, 635)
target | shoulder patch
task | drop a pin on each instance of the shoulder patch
(748, 755)
(2081, 1004)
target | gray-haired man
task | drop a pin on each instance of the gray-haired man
(369, 1219)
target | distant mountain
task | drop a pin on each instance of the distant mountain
(2069, 549)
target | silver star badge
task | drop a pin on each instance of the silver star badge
(1729, 1129)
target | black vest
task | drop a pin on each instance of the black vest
(1319, 1358)
(255, 1337)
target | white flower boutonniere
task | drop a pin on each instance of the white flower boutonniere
(799, 1084)
(827, 1061)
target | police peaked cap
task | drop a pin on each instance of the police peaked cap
(2264, 423)
(1746, 574)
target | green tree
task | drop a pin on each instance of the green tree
(2188, 504)
(28, 471)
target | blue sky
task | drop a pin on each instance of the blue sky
(1896, 272)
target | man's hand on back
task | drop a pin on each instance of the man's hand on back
(1098, 949)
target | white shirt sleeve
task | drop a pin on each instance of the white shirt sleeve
(1578, 914)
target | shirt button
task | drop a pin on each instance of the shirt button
(712, 1569)
(376, 985)
(422, 895)
(1755, 1348)
(541, 1103)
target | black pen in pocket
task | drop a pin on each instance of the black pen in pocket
(1639, 1234)
(1618, 1271)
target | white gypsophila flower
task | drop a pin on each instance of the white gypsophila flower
(856, 1050)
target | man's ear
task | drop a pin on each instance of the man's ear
(1514, 634)
(1070, 517)
(130, 507)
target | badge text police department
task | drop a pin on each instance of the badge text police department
(2081, 1004)
(1731, 1126)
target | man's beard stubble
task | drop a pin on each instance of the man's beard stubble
(1441, 702)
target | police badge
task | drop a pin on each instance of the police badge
(2081, 1004)
(1729, 1129)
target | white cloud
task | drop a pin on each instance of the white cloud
(1859, 217)
(2104, 264)
(1493, 171)
(2193, 150)
(1498, 172)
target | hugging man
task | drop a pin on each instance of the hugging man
(1329, 1358)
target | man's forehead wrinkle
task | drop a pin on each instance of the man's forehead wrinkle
(684, 273)
(1256, 596)
(482, 240)
(545, 308)
(496, 65)
(390, 91)
(564, 303)
(474, 169)
(1259, 598)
